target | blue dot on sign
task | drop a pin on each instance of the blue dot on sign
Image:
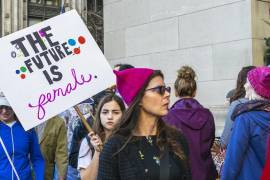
(95, 76)
(71, 42)
(17, 71)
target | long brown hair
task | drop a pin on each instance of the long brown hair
(166, 135)
(240, 91)
(97, 126)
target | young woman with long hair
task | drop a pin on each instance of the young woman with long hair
(143, 146)
(109, 112)
(235, 100)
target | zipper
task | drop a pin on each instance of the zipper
(12, 157)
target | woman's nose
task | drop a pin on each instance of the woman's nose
(167, 94)
(110, 115)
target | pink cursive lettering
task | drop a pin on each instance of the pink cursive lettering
(50, 97)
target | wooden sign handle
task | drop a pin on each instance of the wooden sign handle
(86, 125)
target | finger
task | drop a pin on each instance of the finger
(91, 134)
(94, 138)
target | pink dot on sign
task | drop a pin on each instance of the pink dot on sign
(77, 50)
(81, 40)
(42, 33)
(23, 76)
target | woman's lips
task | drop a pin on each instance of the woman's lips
(110, 123)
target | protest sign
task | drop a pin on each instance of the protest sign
(51, 66)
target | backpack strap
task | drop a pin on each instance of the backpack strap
(9, 159)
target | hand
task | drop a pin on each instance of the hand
(95, 141)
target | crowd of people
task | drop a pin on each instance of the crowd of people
(138, 135)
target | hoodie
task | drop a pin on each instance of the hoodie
(23, 148)
(246, 151)
(197, 125)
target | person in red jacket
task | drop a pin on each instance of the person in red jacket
(266, 170)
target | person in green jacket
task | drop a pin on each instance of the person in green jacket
(53, 143)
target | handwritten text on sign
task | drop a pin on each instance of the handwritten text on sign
(56, 64)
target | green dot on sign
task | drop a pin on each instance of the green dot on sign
(23, 69)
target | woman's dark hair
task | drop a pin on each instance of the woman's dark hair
(166, 135)
(241, 81)
(123, 66)
(185, 84)
(97, 127)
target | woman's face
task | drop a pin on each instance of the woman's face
(6, 114)
(156, 98)
(110, 115)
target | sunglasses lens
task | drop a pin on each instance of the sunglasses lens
(168, 89)
(162, 89)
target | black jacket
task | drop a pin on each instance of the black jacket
(125, 165)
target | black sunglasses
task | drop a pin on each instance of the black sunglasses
(160, 89)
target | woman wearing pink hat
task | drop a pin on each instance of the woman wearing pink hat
(246, 151)
(143, 146)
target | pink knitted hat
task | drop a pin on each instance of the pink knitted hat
(130, 81)
(259, 79)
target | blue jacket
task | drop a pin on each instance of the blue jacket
(26, 150)
(246, 151)
(226, 134)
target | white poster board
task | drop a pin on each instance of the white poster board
(51, 66)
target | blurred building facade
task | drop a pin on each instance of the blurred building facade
(18, 14)
(215, 37)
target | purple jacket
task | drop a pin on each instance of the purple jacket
(198, 126)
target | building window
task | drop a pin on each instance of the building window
(95, 20)
(40, 10)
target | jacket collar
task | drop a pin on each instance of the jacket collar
(44, 133)
(252, 105)
(187, 103)
(5, 125)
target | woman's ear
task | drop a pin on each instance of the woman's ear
(194, 93)
(176, 93)
(140, 103)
